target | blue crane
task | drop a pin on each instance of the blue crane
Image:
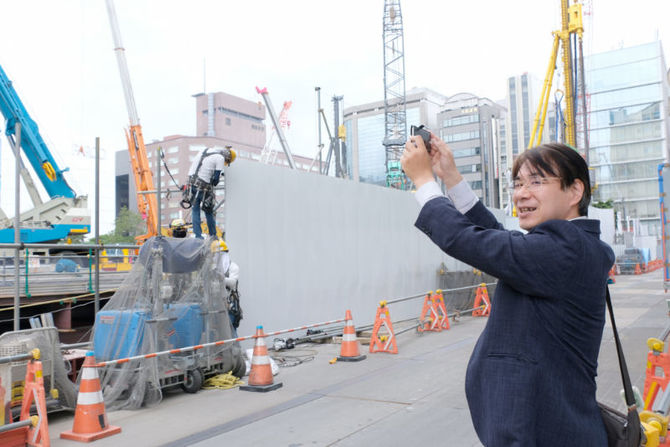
(65, 213)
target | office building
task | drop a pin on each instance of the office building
(366, 156)
(627, 99)
(471, 127)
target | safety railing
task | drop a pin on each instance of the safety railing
(32, 270)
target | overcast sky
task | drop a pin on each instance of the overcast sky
(59, 54)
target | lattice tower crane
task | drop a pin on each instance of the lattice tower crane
(395, 117)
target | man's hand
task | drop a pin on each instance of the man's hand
(416, 162)
(442, 160)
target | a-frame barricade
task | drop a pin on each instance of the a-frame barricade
(386, 340)
(441, 309)
(482, 302)
(429, 319)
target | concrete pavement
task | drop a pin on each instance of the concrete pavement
(414, 397)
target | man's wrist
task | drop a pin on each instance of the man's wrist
(452, 180)
(422, 180)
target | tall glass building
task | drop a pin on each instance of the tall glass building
(471, 126)
(366, 156)
(627, 100)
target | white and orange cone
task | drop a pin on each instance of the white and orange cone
(350, 351)
(90, 419)
(260, 376)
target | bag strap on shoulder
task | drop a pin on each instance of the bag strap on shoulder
(625, 378)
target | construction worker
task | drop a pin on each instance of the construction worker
(203, 176)
(178, 227)
(230, 272)
(531, 376)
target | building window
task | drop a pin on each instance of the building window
(457, 121)
(460, 136)
(173, 160)
(227, 121)
(172, 150)
(467, 169)
(468, 152)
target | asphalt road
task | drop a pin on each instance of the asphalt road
(413, 398)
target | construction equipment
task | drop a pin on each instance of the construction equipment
(276, 123)
(571, 29)
(146, 203)
(65, 214)
(174, 297)
(337, 142)
(395, 116)
(269, 153)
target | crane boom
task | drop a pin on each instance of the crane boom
(146, 203)
(571, 25)
(65, 214)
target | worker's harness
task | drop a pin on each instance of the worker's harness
(195, 184)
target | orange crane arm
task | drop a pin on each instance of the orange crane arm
(146, 203)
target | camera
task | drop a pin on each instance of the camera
(423, 133)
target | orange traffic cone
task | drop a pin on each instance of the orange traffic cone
(385, 342)
(90, 419)
(350, 351)
(260, 376)
(638, 271)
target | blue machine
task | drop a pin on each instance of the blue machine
(118, 333)
(38, 155)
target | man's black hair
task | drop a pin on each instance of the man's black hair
(558, 160)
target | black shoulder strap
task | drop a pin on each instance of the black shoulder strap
(625, 378)
(202, 157)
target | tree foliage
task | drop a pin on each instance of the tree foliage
(127, 225)
(607, 204)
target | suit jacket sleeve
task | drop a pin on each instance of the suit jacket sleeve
(538, 263)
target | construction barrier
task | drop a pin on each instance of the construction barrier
(429, 317)
(90, 418)
(384, 342)
(441, 309)
(482, 302)
(433, 316)
(29, 430)
(657, 372)
(215, 343)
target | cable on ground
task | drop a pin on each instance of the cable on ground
(222, 382)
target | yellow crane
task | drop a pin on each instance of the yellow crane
(571, 24)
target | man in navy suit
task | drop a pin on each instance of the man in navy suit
(531, 377)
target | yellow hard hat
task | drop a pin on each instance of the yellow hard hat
(176, 223)
(233, 155)
(219, 245)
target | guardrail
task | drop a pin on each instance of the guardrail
(27, 274)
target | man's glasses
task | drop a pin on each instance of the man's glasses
(533, 183)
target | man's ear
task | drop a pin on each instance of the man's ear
(576, 192)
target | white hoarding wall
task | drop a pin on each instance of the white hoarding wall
(310, 246)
